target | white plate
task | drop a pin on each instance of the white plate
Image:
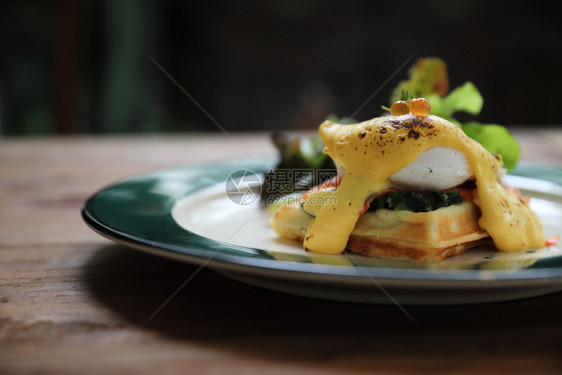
(185, 213)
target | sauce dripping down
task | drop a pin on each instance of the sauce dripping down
(373, 150)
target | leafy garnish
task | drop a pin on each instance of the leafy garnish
(428, 79)
(427, 76)
(496, 139)
(340, 120)
(465, 98)
(405, 96)
(491, 256)
(301, 153)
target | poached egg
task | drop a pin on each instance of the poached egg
(437, 168)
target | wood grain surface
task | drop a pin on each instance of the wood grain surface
(72, 302)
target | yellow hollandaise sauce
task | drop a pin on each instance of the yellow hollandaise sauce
(373, 150)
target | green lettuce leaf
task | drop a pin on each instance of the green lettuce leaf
(427, 76)
(428, 79)
(465, 98)
(496, 139)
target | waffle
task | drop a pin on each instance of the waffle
(403, 235)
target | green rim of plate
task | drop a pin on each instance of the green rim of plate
(137, 212)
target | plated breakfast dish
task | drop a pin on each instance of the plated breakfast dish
(409, 186)
(406, 195)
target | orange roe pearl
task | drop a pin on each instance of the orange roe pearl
(419, 107)
(399, 108)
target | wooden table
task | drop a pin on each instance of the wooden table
(73, 302)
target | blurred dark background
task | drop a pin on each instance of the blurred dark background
(84, 67)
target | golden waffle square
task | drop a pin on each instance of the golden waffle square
(403, 235)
